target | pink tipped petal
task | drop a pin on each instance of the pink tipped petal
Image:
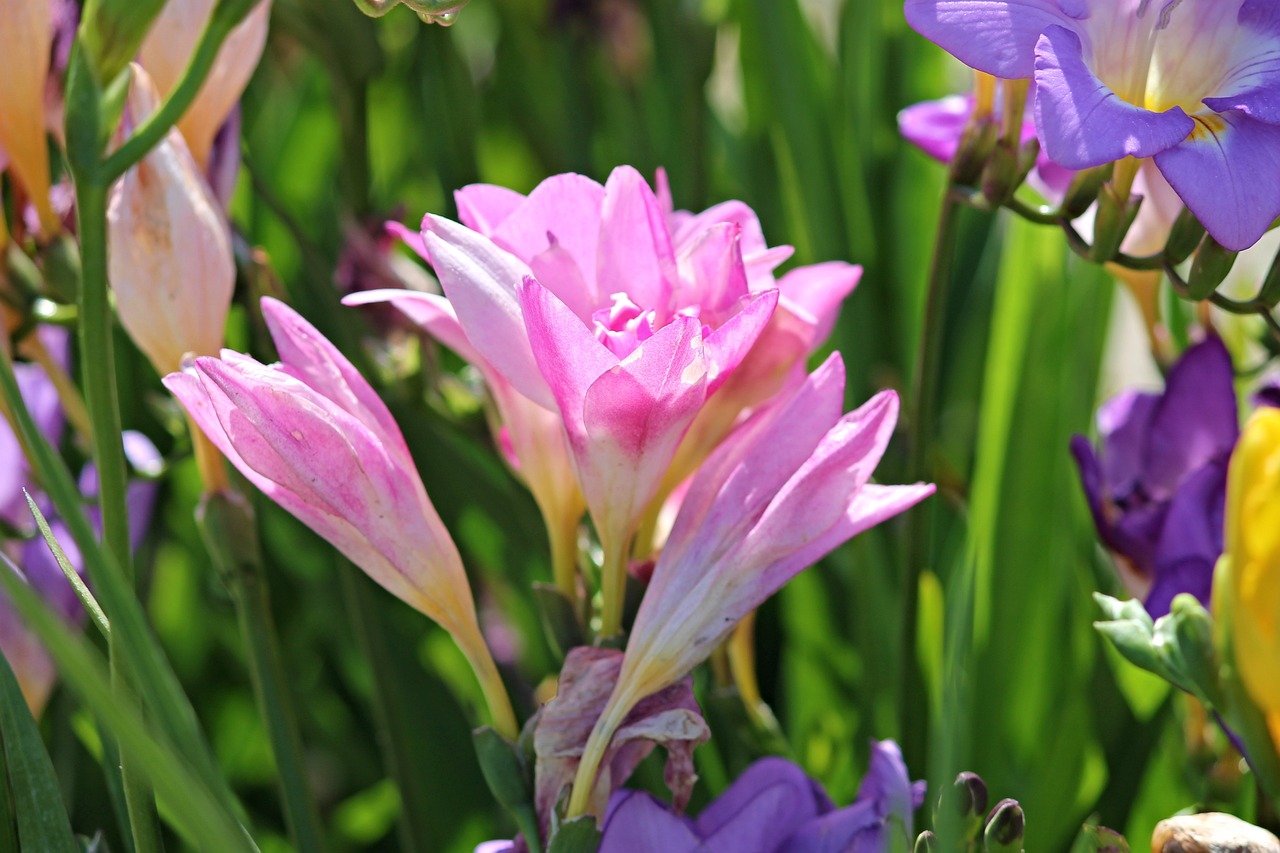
(635, 415)
(1081, 122)
(411, 238)
(432, 312)
(308, 356)
(712, 264)
(817, 291)
(1227, 173)
(935, 126)
(728, 345)
(559, 271)
(481, 282)
(484, 207)
(730, 212)
(816, 496)
(995, 36)
(636, 256)
(570, 357)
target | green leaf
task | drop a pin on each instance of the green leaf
(503, 769)
(37, 800)
(579, 835)
(191, 804)
(73, 577)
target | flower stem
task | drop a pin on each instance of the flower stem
(495, 692)
(912, 698)
(563, 536)
(228, 527)
(99, 378)
(613, 585)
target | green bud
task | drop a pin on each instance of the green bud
(61, 262)
(1112, 222)
(1005, 827)
(976, 143)
(1083, 191)
(966, 799)
(226, 523)
(1183, 237)
(502, 767)
(580, 835)
(21, 276)
(1193, 630)
(1209, 269)
(1270, 292)
(926, 842)
(112, 31)
(1002, 173)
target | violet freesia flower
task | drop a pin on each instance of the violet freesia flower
(313, 435)
(1195, 84)
(773, 807)
(790, 486)
(1157, 486)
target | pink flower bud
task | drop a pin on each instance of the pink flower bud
(168, 48)
(170, 250)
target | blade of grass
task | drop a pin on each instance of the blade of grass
(37, 800)
(73, 577)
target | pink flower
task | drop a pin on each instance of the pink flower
(25, 42)
(314, 437)
(786, 489)
(629, 319)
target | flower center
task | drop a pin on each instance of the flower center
(623, 325)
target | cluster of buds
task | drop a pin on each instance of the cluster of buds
(963, 820)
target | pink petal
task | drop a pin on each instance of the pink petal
(481, 282)
(712, 271)
(484, 207)
(728, 345)
(432, 312)
(635, 255)
(817, 291)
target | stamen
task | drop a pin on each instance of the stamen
(1166, 13)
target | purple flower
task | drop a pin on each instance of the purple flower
(1194, 84)
(773, 807)
(1157, 487)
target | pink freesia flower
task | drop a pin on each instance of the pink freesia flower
(581, 298)
(25, 42)
(786, 489)
(314, 437)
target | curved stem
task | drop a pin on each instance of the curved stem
(585, 779)
(495, 692)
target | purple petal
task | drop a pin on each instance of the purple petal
(1124, 423)
(1227, 172)
(1081, 122)
(1196, 421)
(770, 801)
(1191, 540)
(638, 823)
(1255, 81)
(995, 36)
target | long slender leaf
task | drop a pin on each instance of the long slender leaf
(193, 806)
(73, 577)
(143, 659)
(37, 800)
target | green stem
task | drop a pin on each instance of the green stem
(227, 523)
(394, 726)
(153, 129)
(912, 698)
(97, 366)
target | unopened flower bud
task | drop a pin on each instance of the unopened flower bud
(1186, 234)
(1209, 269)
(1005, 827)
(1193, 629)
(169, 46)
(1003, 172)
(976, 142)
(1114, 217)
(926, 842)
(111, 31)
(1083, 191)
(25, 41)
(171, 266)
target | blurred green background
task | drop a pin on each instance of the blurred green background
(790, 107)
